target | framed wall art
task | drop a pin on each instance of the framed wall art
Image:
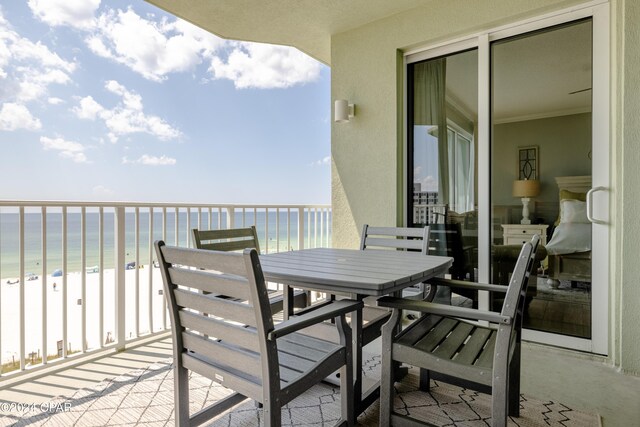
(528, 163)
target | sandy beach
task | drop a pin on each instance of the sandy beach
(10, 311)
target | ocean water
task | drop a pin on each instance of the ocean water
(10, 239)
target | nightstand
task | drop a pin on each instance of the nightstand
(517, 234)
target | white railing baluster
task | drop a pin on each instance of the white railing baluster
(43, 288)
(309, 227)
(199, 220)
(321, 227)
(150, 290)
(176, 226)
(231, 217)
(64, 283)
(210, 220)
(83, 278)
(277, 229)
(23, 332)
(136, 249)
(164, 297)
(101, 277)
(188, 227)
(315, 227)
(219, 218)
(120, 301)
(288, 229)
(300, 228)
(244, 219)
(266, 230)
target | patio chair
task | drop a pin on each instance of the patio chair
(271, 364)
(443, 340)
(236, 239)
(394, 238)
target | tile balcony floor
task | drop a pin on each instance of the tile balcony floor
(606, 392)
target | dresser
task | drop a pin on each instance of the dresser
(517, 234)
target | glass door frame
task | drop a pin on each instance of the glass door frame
(599, 12)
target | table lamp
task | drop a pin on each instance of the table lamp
(526, 188)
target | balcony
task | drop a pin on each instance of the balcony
(103, 329)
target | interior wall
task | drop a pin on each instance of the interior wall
(365, 152)
(563, 143)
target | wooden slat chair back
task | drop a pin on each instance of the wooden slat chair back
(444, 341)
(232, 239)
(446, 240)
(399, 238)
(391, 238)
(237, 345)
(239, 239)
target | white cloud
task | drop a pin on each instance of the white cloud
(88, 108)
(323, 161)
(160, 48)
(27, 69)
(66, 149)
(55, 101)
(263, 66)
(17, 116)
(75, 13)
(126, 117)
(148, 160)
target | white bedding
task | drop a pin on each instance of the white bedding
(569, 238)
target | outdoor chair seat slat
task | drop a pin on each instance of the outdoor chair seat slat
(469, 352)
(485, 359)
(430, 341)
(418, 329)
(452, 343)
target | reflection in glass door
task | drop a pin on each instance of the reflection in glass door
(442, 118)
(541, 169)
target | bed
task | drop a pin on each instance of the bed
(569, 249)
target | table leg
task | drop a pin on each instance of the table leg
(287, 302)
(356, 335)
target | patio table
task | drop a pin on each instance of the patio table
(356, 274)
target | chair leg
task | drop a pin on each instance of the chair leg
(514, 383)
(425, 378)
(181, 395)
(387, 391)
(346, 393)
(499, 396)
(272, 414)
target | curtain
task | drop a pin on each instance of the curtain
(430, 110)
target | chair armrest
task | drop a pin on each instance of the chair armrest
(461, 284)
(329, 311)
(443, 310)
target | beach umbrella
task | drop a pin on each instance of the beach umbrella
(57, 273)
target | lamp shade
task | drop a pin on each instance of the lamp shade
(526, 188)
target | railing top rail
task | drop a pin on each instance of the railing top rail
(60, 203)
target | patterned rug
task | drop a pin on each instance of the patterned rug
(145, 397)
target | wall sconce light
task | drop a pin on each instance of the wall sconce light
(343, 111)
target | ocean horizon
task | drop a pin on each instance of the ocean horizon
(10, 239)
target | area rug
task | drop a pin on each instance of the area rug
(145, 397)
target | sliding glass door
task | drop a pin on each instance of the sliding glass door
(507, 136)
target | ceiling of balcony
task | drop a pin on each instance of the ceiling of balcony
(305, 24)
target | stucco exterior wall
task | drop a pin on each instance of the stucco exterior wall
(367, 152)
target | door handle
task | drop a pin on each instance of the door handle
(590, 205)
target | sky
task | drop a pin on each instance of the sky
(105, 100)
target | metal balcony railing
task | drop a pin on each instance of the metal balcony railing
(81, 276)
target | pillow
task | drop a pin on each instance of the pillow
(569, 195)
(573, 211)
